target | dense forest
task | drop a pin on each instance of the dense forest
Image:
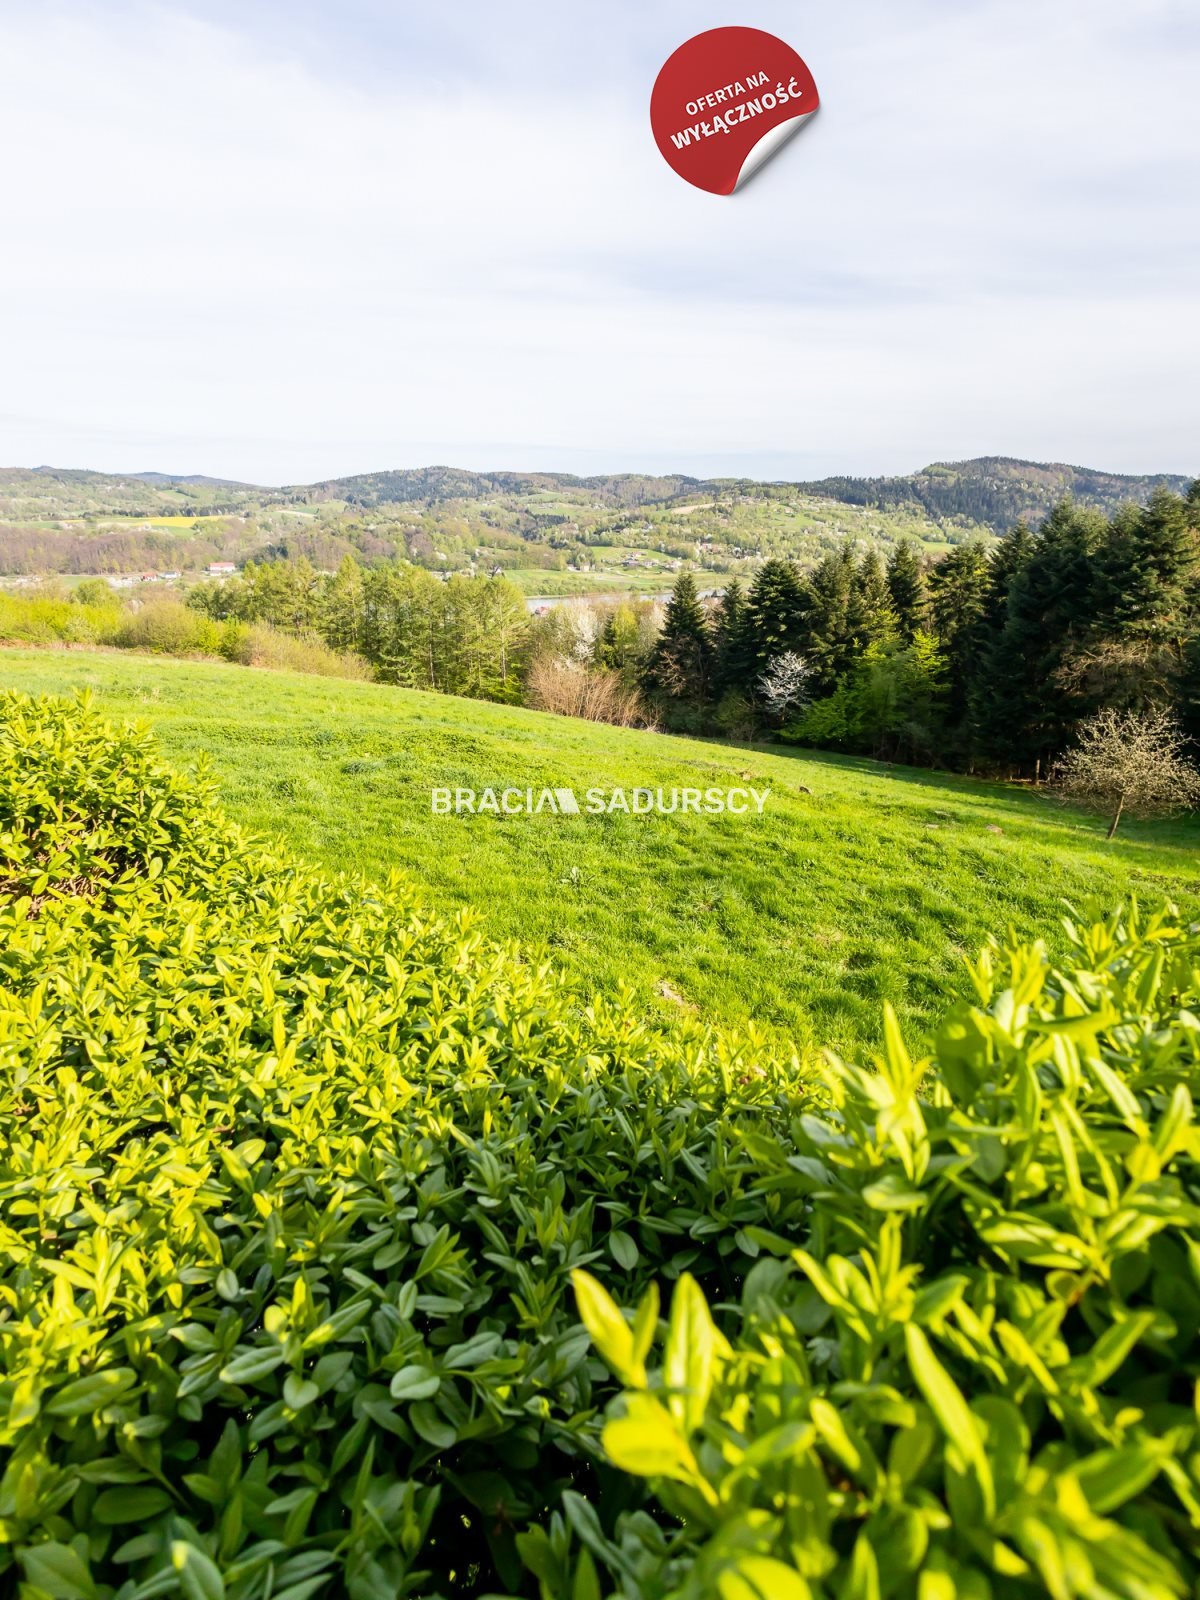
(991, 656)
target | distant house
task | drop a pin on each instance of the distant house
(147, 577)
(221, 569)
(168, 577)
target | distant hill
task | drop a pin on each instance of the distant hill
(434, 485)
(990, 492)
(199, 479)
(552, 533)
(995, 490)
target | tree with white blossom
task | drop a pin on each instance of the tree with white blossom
(783, 686)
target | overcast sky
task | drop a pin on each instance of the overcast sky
(281, 240)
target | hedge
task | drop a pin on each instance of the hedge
(292, 1182)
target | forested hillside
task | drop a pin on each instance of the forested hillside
(996, 490)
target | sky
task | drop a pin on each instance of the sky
(285, 240)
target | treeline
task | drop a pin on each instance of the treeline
(467, 636)
(990, 656)
(26, 551)
(157, 624)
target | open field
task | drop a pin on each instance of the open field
(873, 886)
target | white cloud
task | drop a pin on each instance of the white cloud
(223, 253)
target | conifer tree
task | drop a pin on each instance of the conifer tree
(830, 646)
(958, 588)
(681, 666)
(1152, 564)
(909, 592)
(619, 647)
(733, 667)
(1005, 560)
(342, 607)
(1144, 610)
(774, 619)
(1189, 692)
(1023, 712)
(872, 615)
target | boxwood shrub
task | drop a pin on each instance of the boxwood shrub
(292, 1179)
(973, 1370)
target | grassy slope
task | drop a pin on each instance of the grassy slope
(873, 886)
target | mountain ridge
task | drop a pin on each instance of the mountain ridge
(994, 491)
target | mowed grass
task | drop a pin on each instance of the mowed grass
(872, 886)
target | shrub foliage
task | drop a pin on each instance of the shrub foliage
(973, 1370)
(295, 1181)
(292, 1181)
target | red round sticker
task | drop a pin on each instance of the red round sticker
(725, 102)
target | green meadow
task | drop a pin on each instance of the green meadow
(858, 883)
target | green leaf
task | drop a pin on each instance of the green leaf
(862, 1581)
(624, 1250)
(587, 1582)
(299, 1391)
(432, 1426)
(951, 1410)
(252, 1366)
(415, 1383)
(199, 1577)
(647, 1442)
(645, 1323)
(610, 1332)
(1110, 1478)
(114, 1507)
(761, 1578)
(893, 1192)
(58, 1570)
(1110, 1350)
(472, 1352)
(691, 1353)
(91, 1394)
(939, 1298)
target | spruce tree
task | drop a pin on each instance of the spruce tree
(1152, 566)
(831, 646)
(872, 615)
(1006, 560)
(1023, 711)
(341, 614)
(1007, 557)
(774, 619)
(958, 588)
(1189, 692)
(681, 665)
(909, 592)
(733, 666)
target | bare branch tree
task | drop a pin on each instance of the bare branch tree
(782, 685)
(1130, 761)
(572, 690)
